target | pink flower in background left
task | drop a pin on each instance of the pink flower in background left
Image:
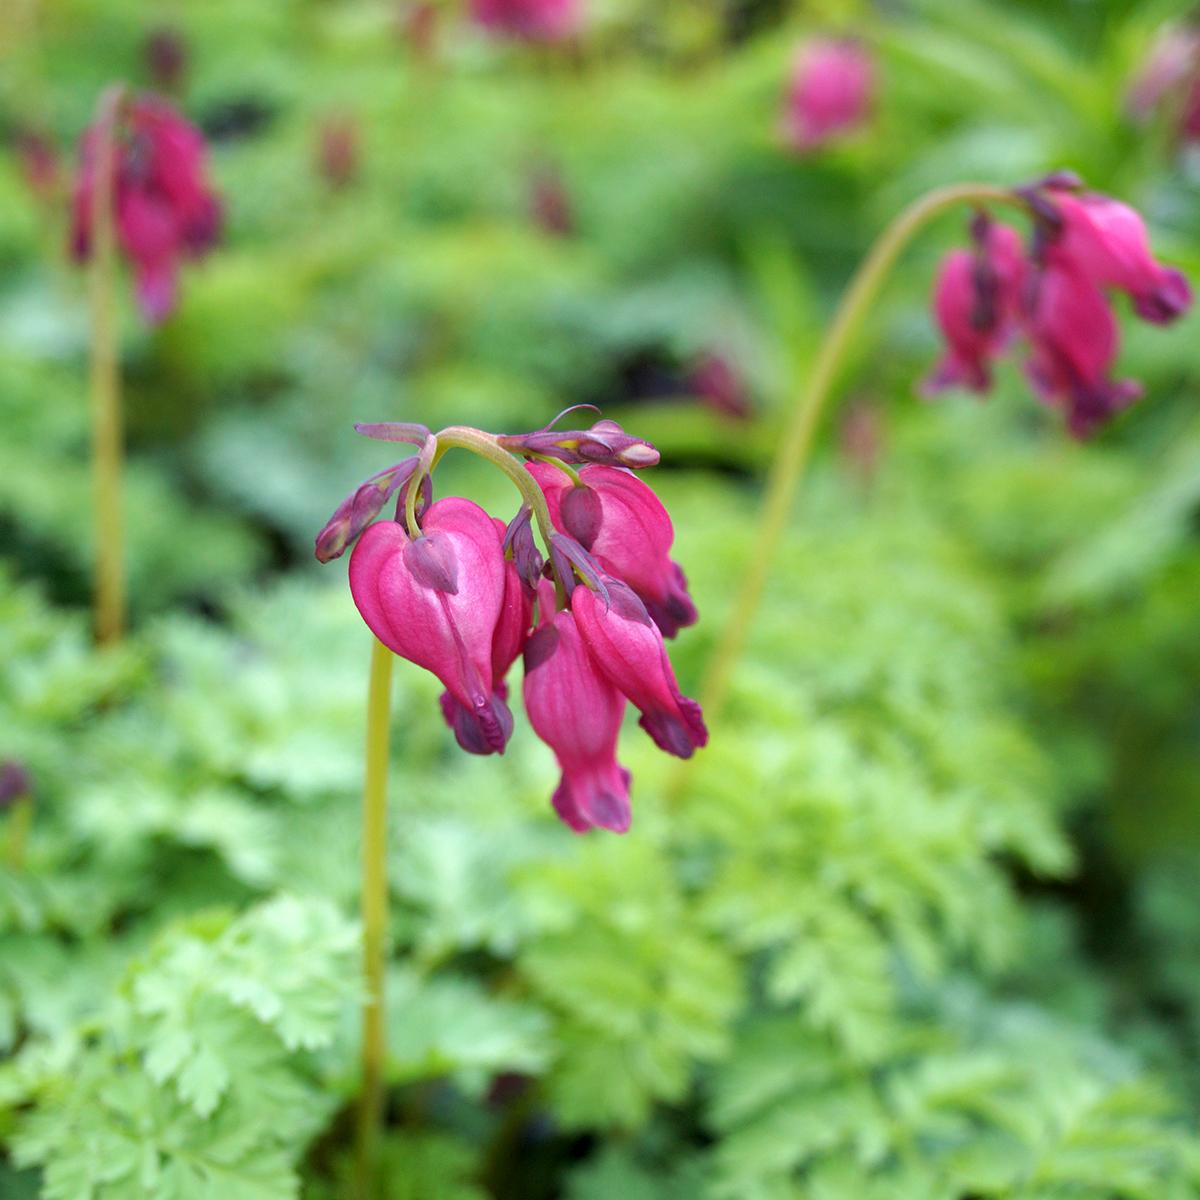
(829, 93)
(164, 206)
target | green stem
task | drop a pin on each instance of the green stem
(105, 381)
(463, 437)
(20, 819)
(566, 468)
(797, 440)
(374, 918)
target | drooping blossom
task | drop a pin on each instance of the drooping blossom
(1169, 82)
(1056, 298)
(714, 380)
(436, 600)
(829, 92)
(976, 301)
(164, 206)
(621, 522)
(529, 20)
(575, 709)
(454, 590)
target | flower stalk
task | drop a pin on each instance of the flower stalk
(105, 381)
(374, 918)
(797, 440)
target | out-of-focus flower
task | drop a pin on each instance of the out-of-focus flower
(1084, 244)
(166, 57)
(164, 206)
(1169, 82)
(829, 93)
(417, 24)
(714, 380)
(1073, 345)
(1107, 241)
(338, 151)
(861, 439)
(15, 783)
(453, 590)
(549, 203)
(39, 164)
(621, 522)
(976, 301)
(529, 20)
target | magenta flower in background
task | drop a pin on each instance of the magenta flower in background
(529, 20)
(456, 591)
(829, 93)
(976, 302)
(338, 151)
(715, 381)
(621, 522)
(39, 164)
(1056, 297)
(166, 55)
(1169, 82)
(165, 208)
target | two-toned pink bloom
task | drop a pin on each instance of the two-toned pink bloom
(437, 600)
(529, 20)
(1057, 298)
(829, 93)
(164, 206)
(621, 522)
(576, 710)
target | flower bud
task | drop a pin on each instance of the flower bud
(364, 504)
(522, 549)
(605, 442)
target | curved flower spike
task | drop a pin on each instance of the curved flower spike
(436, 600)
(577, 712)
(628, 650)
(631, 540)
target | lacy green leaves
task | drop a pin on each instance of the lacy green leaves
(197, 1081)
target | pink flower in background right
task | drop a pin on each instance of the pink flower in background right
(829, 93)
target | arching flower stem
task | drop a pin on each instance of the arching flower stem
(795, 445)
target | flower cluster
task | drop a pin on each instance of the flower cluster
(529, 20)
(829, 92)
(164, 207)
(1056, 296)
(464, 595)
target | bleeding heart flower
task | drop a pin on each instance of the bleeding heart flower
(577, 712)
(628, 650)
(436, 600)
(829, 92)
(626, 528)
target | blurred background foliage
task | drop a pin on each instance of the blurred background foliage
(922, 924)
